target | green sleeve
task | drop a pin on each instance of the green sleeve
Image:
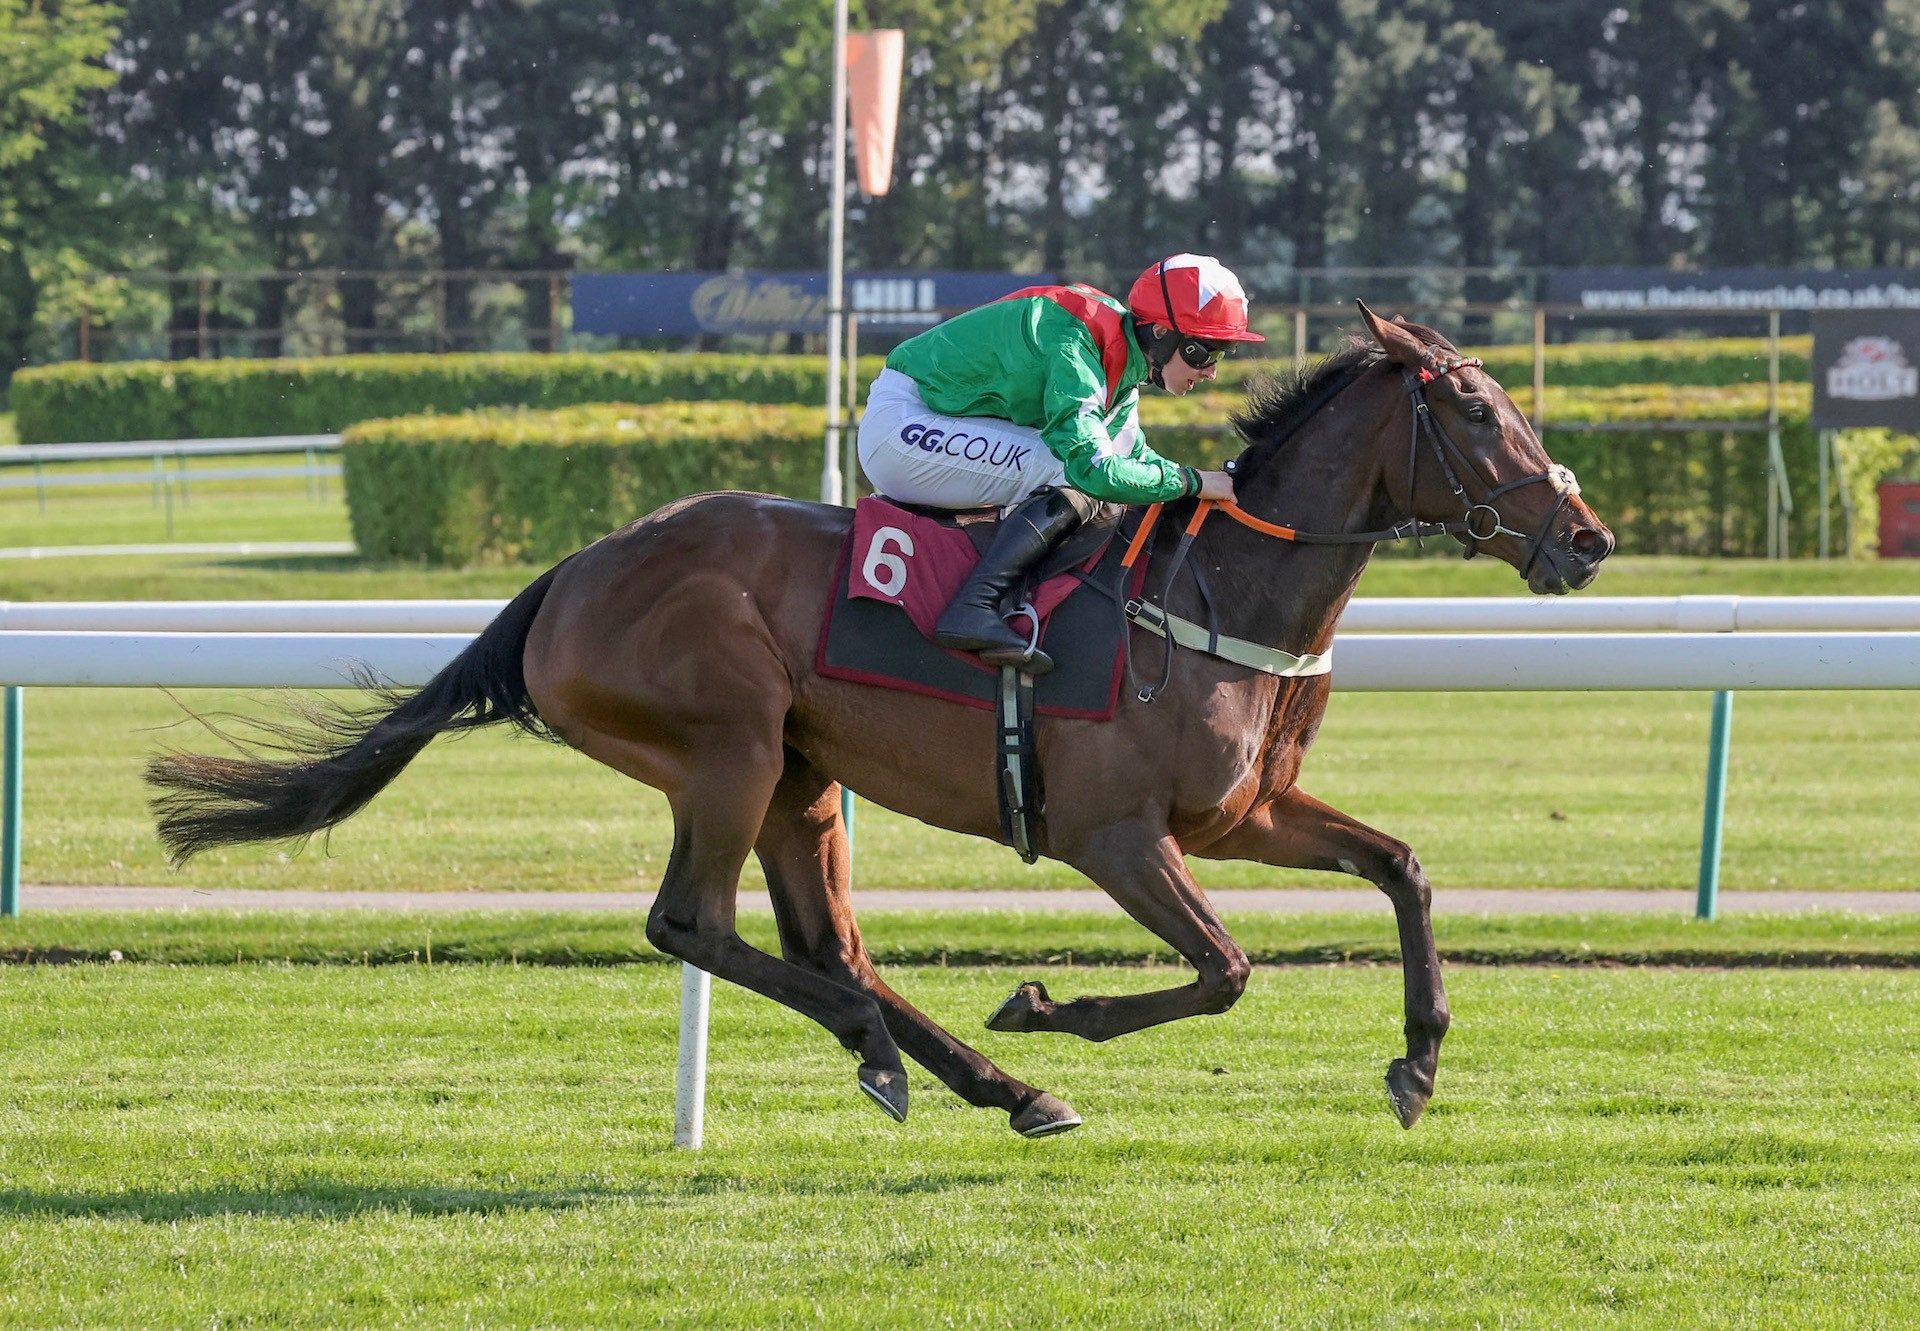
(1100, 462)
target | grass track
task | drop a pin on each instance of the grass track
(1492, 790)
(483, 1144)
(960, 938)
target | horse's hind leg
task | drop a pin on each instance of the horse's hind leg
(1142, 869)
(717, 812)
(803, 848)
(1297, 831)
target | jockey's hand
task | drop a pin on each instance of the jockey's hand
(1217, 486)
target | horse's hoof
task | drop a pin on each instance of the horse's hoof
(1045, 1116)
(1406, 1091)
(888, 1090)
(1021, 1007)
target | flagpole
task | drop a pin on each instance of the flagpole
(832, 485)
(830, 479)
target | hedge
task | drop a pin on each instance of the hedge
(1695, 361)
(219, 398)
(223, 398)
(499, 486)
(494, 486)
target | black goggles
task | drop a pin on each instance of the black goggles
(1200, 354)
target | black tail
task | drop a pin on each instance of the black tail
(326, 771)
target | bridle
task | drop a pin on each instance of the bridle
(1424, 422)
(1471, 524)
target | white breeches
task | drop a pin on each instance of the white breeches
(912, 453)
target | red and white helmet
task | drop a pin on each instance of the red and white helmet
(1193, 294)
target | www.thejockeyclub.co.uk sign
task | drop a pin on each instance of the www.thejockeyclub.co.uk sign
(1866, 370)
(1757, 289)
(684, 303)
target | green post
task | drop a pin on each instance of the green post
(10, 780)
(1717, 745)
(846, 816)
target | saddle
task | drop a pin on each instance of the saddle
(899, 567)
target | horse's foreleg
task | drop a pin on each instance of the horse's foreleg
(1297, 831)
(717, 815)
(803, 849)
(1142, 870)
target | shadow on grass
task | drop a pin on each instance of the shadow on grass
(715, 1184)
(315, 1200)
(322, 1200)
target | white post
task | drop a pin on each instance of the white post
(830, 482)
(690, 1086)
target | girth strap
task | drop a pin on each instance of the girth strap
(1017, 769)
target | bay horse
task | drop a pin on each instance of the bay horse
(680, 650)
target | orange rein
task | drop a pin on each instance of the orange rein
(1201, 512)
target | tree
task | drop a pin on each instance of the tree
(51, 57)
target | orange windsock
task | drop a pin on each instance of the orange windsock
(873, 94)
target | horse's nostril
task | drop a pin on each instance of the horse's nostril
(1590, 544)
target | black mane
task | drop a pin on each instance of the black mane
(1279, 404)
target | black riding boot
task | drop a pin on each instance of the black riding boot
(972, 621)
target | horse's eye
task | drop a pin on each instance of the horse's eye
(1478, 413)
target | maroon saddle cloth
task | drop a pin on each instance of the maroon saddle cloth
(899, 568)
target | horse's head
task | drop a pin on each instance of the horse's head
(1473, 456)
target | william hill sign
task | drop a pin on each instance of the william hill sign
(749, 303)
(1866, 370)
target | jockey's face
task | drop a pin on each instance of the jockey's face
(1180, 377)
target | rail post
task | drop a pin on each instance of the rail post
(690, 1082)
(11, 779)
(1707, 904)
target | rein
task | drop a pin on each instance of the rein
(1470, 524)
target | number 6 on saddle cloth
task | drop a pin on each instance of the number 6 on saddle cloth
(900, 567)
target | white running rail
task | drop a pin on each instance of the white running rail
(1477, 614)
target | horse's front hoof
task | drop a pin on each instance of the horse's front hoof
(888, 1090)
(1023, 1005)
(1409, 1091)
(1045, 1116)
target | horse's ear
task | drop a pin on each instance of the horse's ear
(1400, 345)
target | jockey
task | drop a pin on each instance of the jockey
(1034, 401)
